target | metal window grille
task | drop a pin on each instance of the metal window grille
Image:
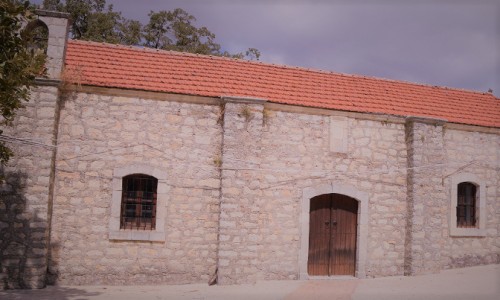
(138, 209)
(466, 205)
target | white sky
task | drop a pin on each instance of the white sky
(454, 43)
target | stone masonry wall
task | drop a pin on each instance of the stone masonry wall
(479, 154)
(240, 219)
(272, 157)
(24, 196)
(235, 179)
(426, 196)
(100, 133)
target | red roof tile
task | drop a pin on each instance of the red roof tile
(117, 66)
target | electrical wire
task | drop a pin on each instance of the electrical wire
(251, 165)
(11, 139)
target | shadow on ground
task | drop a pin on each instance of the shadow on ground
(49, 293)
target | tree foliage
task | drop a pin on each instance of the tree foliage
(129, 32)
(168, 30)
(20, 63)
(174, 30)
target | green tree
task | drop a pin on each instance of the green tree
(253, 54)
(81, 11)
(54, 5)
(92, 20)
(170, 30)
(174, 30)
(20, 63)
(129, 32)
(103, 26)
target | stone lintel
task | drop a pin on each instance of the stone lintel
(246, 100)
(136, 235)
(47, 81)
(53, 14)
(426, 120)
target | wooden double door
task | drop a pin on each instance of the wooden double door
(332, 235)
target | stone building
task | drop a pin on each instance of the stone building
(141, 166)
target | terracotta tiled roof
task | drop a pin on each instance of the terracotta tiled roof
(173, 72)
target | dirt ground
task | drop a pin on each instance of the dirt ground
(476, 283)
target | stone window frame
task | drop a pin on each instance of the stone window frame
(480, 211)
(156, 235)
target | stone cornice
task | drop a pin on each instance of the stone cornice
(162, 96)
(54, 14)
(425, 120)
(247, 100)
(47, 81)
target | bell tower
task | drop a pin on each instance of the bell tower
(57, 25)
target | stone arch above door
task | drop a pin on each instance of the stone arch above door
(361, 197)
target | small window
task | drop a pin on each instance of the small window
(138, 205)
(466, 205)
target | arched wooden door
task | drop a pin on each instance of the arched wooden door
(332, 235)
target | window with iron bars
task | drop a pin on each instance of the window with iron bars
(138, 209)
(466, 205)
